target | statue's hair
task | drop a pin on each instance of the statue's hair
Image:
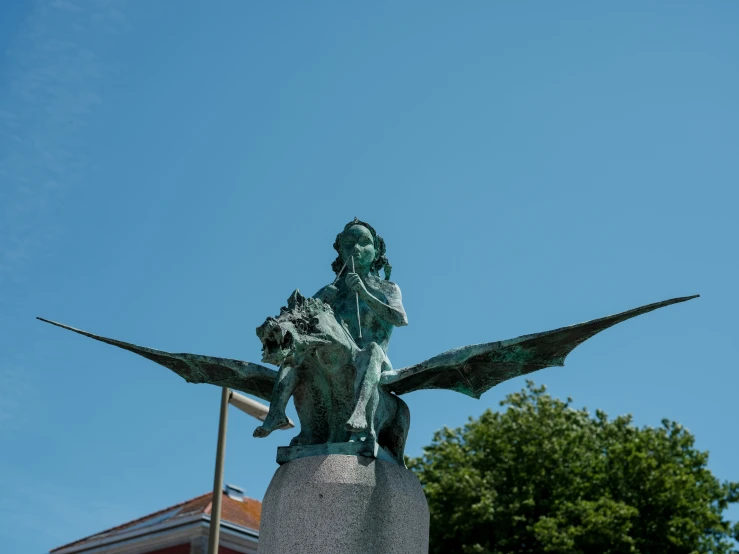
(380, 261)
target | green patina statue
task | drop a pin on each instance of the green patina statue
(331, 351)
(337, 342)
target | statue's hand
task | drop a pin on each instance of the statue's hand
(355, 283)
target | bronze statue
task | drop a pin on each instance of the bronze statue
(331, 351)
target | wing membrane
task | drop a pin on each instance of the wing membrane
(474, 369)
(246, 377)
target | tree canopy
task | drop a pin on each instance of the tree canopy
(544, 477)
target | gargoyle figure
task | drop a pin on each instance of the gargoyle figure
(332, 356)
(318, 361)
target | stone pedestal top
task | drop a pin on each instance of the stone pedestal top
(344, 504)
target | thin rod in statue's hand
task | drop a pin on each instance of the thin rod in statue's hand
(356, 295)
(340, 272)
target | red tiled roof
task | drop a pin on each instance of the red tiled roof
(246, 514)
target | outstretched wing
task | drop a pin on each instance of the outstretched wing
(194, 368)
(474, 369)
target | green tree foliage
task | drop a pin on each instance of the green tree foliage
(544, 477)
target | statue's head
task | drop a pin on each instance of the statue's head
(303, 324)
(360, 240)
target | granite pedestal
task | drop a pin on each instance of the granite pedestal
(341, 504)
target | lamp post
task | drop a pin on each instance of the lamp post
(254, 409)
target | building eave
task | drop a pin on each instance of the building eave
(240, 529)
(233, 537)
(160, 535)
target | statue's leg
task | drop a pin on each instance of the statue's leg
(313, 409)
(342, 395)
(368, 363)
(396, 431)
(284, 387)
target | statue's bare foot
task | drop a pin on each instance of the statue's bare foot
(270, 424)
(357, 425)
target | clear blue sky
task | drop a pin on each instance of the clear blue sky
(171, 171)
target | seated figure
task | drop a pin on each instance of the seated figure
(367, 308)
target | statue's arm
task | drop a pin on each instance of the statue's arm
(391, 311)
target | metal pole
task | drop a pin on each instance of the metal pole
(215, 510)
(253, 408)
